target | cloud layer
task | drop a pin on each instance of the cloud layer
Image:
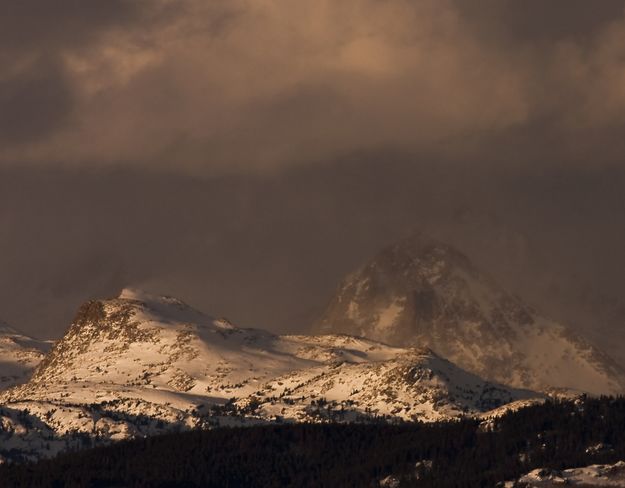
(245, 154)
(255, 84)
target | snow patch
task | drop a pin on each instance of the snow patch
(388, 316)
(600, 475)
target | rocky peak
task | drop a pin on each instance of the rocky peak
(423, 254)
(133, 319)
(419, 288)
(423, 292)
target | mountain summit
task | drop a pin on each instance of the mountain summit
(423, 292)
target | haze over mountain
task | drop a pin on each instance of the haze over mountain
(421, 291)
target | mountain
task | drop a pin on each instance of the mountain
(599, 475)
(141, 364)
(425, 292)
(19, 355)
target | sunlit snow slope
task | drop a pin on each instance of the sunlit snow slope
(139, 364)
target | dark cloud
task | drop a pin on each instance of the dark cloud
(39, 25)
(536, 21)
(244, 154)
(35, 101)
(251, 85)
(269, 250)
(38, 39)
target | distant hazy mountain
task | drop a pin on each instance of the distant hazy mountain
(140, 364)
(423, 292)
(19, 355)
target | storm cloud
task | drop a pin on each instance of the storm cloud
(249, 85)
(245, 154)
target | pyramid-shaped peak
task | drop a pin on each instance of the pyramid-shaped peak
(422, 247)
(421, 291)
(420, 257)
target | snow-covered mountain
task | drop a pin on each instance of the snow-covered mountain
(140, 364)
(420, 291)
(598, 475)
(19, 355)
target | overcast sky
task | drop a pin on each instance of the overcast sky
(245, 154)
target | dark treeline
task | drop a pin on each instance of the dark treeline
(467, 453)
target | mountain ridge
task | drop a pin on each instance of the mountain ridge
(139, 365)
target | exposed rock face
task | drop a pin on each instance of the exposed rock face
(423, 292)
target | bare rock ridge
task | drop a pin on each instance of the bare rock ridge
(159, 344)
(423, 292)
(138, 364)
